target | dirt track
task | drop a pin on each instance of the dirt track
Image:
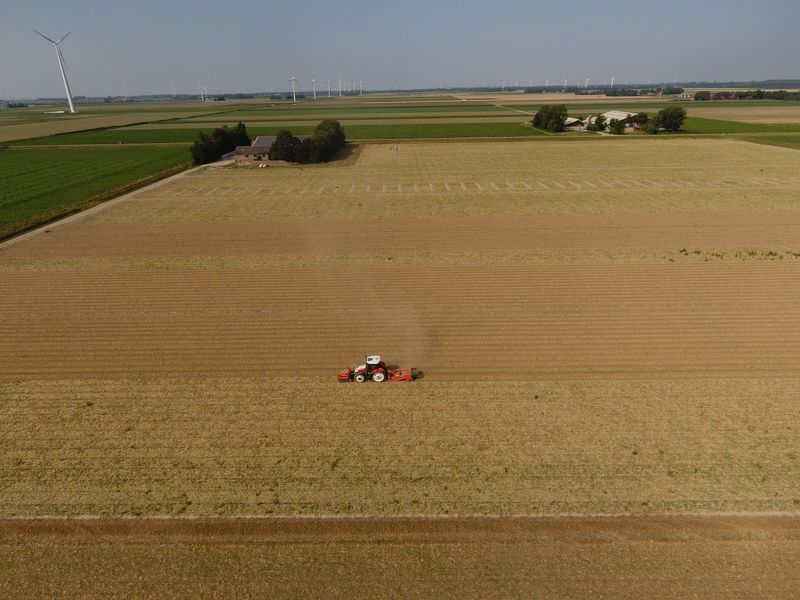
(620, 557)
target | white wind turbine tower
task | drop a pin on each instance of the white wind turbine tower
(329, 89)
(612, 83)
(340, 86)
(314, 87)
(173, 89)
(360, 89)
(57, 46)
(293, 81)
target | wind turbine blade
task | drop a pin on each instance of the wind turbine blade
(44, 36)
(63, 38)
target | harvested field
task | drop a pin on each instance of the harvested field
(570, 321)
(750, 114)
(664, 557)
(607, 327)
(623, 349)
(310, 446)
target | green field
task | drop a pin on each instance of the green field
(42, 183)
(703, 125)
(784, 140)
(354, 132)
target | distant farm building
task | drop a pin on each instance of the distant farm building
(257, 152)
(618, 115)
(573, 122)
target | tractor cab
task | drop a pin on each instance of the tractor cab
(373, 368)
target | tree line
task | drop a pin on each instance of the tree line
(322, 145)
(704, 96)
(208, 148)
(552, 117)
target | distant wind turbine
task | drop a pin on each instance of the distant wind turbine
(173, 89)
(360, 89)
(340, 86)
(314, 87)
(329, 88)
(612, 83)
(57, 46)
(293, 81)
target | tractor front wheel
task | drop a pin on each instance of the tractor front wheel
(359, 378)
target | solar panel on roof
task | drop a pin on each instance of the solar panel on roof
(264, 141)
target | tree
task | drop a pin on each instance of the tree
(616, 127)
(203, 150)
(322, 145)
(328, 139)
(600, 123)
(671, 118)
(641, 119)
(550, 117)
(207, 148)
(654, 126)
(702, 96)
(283, 148)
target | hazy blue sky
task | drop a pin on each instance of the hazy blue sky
(254, 45)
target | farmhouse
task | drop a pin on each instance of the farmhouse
(619, 115)
(258, 151)
(573, 122)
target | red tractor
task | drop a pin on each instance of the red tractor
(376, 370)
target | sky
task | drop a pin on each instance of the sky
(148, 46)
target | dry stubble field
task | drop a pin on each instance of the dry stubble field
(604, 327)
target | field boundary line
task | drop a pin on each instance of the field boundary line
(415, 516)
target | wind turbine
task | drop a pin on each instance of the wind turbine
(612, 83)
(329, 89)
(360, 89)
(173, 89)
(57, 46)
(293, 81)
(314, 87)
(340, 86)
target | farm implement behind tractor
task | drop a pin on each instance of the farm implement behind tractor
(375, 369)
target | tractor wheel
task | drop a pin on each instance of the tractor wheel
(359, 378)
(378, 376)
